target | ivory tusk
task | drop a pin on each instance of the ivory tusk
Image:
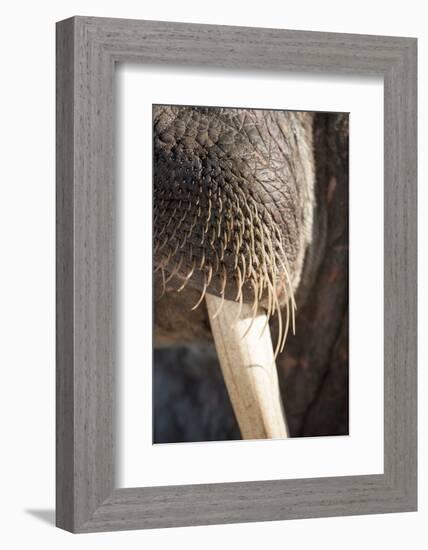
(249, 369)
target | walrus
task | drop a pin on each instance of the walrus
(250, 208)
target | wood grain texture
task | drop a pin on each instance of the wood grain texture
(64, 280)
(87, 49)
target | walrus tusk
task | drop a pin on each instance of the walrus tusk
(249, 369)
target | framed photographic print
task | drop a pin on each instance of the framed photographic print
(236, 274)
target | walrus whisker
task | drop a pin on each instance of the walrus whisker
(217, 260)
(243, 268)
(163, 283)
(239, 284)
(261, 285)
(219, 226)
(209, 208)
(278, 310)
(293, 321)
(286, 327)
(171, 218)
(220, 306)
(210, 270)
(176, 247)
(186, 279)
(165, 242)
(221, 251)
(183, 217)
(222, 290)
(236, 249)
(160, 266)
(286, 271)
(254, 308)
(201, 265)
(176, 269)
(161, 232)
(183, 243)
(269, 309)
(204, 290)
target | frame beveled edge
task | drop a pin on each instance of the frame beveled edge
(87, 50)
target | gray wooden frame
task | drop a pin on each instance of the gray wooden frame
(87, 50)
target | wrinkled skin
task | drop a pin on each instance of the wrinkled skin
(233, 188)
(293, 167)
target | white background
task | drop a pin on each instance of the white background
(27, 272)
(362, 451)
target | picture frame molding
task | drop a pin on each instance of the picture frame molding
(87, 50)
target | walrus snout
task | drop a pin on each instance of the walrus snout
(232, 200)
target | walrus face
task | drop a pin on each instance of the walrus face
(233, 202)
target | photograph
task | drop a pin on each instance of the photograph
(250, 263)
(235, 283)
